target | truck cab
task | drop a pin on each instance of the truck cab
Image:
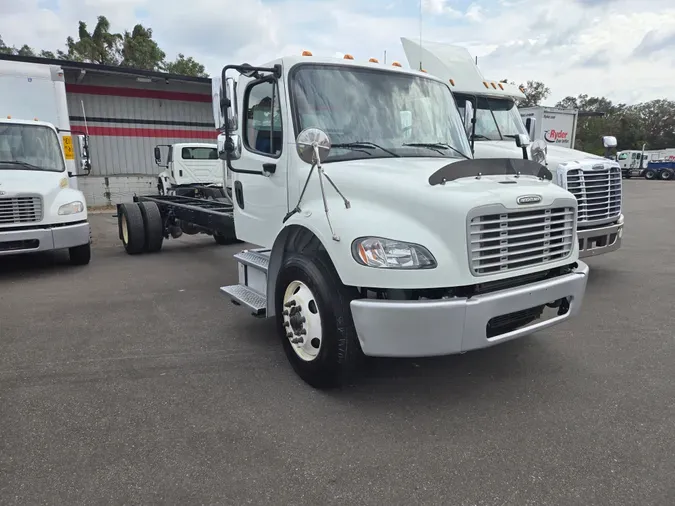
(39, 210)
(187, 165)
(493, 123)
(375, 232)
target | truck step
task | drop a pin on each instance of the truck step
(241, 294)
(258, 259)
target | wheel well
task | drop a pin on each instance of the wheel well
(292, 239)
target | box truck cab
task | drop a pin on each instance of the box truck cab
(41, 208)
(188, 165)
(376, 232)
(595, 181)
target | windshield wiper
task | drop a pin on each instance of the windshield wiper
(364, 145)
(26, 165)
(436, 146)
(480, 136)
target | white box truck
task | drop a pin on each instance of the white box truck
(494, 125)
(554, 126)
(41, 208)
(375, 233)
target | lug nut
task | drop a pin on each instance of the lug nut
(290, 303)
(289, 335)
(297, 340)
(285, 313)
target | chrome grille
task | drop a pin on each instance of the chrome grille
(598, 192)
(518, 239)
(19, 210)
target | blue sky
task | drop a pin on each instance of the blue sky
(623, 49)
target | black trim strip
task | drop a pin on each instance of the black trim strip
(137, 121)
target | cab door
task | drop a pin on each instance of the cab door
(260, 175)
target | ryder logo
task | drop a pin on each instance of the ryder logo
(554, 135)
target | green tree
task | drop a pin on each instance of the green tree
(100, 46)
(535, 92)
(140, 51)
(185, 67)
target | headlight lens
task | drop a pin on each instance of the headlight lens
(390, 254)
(71, 208)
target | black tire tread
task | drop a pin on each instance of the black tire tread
(132, 213)
(154, 226)
(340, 364)
(80, 255)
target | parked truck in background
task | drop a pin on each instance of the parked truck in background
(554, 126)
(191, 169)
(494, 122)
(41, 208)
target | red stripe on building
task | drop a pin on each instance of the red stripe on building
(176, 133)
(115, 91)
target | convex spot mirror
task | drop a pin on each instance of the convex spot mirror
(313, 145)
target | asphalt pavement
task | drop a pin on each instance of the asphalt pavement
(133, 381)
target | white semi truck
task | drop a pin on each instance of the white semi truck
(375, 232)
(595, 181)
(41, 208)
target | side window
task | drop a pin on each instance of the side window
(623, 156)
(199, 154)
(262, 120)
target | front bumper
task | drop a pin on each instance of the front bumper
(44, 238)
(597, 241)
(390, 328)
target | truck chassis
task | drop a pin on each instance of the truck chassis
(144, 223)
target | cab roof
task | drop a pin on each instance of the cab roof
(9, 119)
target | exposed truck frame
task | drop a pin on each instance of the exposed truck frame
(595, 181)
(351, 259)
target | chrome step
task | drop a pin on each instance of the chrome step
(258, 259)
(241, 294)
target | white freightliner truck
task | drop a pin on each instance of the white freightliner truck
(376, 233)
(41, 208)
(189, 168)
(595, 181)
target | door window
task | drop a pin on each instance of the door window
(262, 123)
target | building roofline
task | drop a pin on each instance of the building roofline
(106, 69)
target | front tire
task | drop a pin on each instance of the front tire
(80, 255)
(315, 323)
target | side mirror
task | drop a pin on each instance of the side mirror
(609, 141)
(158, 155)
(229, 147)
(85, 159)
(530, 125)
(228, 104)
(468, 117)
(538, 152)
(313, 145)
(522, 140)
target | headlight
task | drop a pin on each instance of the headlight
(389, 254)
(71, 208)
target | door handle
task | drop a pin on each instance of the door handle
(269, 169)
(239, 194)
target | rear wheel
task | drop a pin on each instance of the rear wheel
(666, 174)
(315, 323)
(153, 225)
(132, 230)
(80, 255)
(650, 174)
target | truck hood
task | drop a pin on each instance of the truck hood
(408, 179)
(49, 191)
(555, 154)
(13, 182)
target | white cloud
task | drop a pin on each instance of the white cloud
(617, 48)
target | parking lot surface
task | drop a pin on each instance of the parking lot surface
(133, 381)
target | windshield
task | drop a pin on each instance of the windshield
(30, 147)
(497, 119)
(370, 113)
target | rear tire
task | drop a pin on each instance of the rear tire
(80, 255)
(154, 226)
(666, 175)
(650, 174)
(132, 229)
(325, 309)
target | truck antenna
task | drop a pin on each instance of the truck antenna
(84, 115)
(420, 34)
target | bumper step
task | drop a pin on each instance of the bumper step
(258, 259)
(243, 295)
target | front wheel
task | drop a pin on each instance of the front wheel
(315, 323)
